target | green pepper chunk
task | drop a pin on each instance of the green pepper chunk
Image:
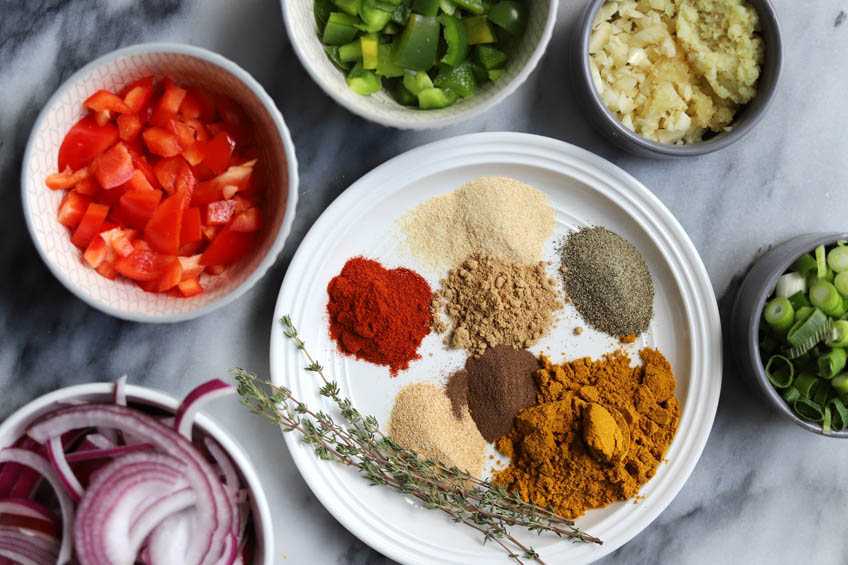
(447, 7)
(351, 52)
(456, 38)
(417, 82)
(426, 7)
(495, 74)
(376, 14)
(509, 15)
(419, 43)
(473, 6)
(363, 81)
(385, 62)
(332, 52)
(349, 6)
(435, 98)
(322, 10)
(340, 29)
(478, 29)
(490, 57)
(401, 94)
(369, 52)
(459, 79)
(401, 15)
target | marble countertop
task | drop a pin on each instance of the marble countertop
(763, 491)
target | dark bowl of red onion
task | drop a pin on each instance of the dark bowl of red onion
(116, 473)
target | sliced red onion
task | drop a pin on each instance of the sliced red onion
(43, 467)
(27, 549)
(195, 400)
(120, 393)
(101, 441)
(215, 517)
(156, 513)
(90, 454)
(27, 508)
(231, 479)
(170, 541)
(103, 529)
(56, 453)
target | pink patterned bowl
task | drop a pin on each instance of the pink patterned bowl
(187, 65)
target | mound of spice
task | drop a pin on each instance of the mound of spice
(422, 420)
(597, 434)
(496, 216)
(492, 302)
(608, 281)
(379, 315)
(494, 387)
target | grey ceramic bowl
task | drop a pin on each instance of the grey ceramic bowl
(745, 317)
(608, 125)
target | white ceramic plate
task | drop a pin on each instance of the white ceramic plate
(584, 190)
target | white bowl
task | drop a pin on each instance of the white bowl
(16, 425)
(187, 65)
(381, 107)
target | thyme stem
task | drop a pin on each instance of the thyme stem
(358, 442)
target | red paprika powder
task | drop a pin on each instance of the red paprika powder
(379, 315)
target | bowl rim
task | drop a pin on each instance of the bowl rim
(364, 110)
(27, 413)
(290, 156)
(767, 14)
(755, 359)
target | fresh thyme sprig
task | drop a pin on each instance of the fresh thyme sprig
(359, 443)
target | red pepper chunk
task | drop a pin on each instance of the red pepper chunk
(168, 106)
(103, 100)
(220, 212)
(143, 264)
(73, 208)
(163, 230)
(90, 224)
(138, 206)
(114, 166)
(84, 142)
(161, 142)
(227, 247)
(217, 152)
(192, 229)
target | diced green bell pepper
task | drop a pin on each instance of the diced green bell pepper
(417, 82)
(402, 94)
(332, 52)
(447, 7)
(340, 29)
(473, 6)
(495, 74)
(351, 52)
(419, 43)
(456, 38)
(435, 98)
(392, 28)
(322, 10)
(510, 15)
(369, 52)
(363, 81)
(385, 62)
(479, 30)
(459, 79)
(490, 57)
(426, 7)
(401, 14)
(376, 14)
(349, 6)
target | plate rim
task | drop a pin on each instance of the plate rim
(476, 146)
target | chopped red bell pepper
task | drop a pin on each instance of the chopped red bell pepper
(90, 224)
(237, 176)
(220, 212)
(163, 230)
(113, 167)
(103, 100)
(227, 247)
(129, 126)
(73, 208)
(66, 179)
(217, 152)
(138, 206)
(168, 106)
(190, 287)
(161, 142)
(192, 229)
(248, 221)
(84, 142)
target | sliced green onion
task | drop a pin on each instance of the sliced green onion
(840, 384)
(838, 414)
(838, 334)
(821, 262)
(799, 300)
(840, 281)
(808, 410)
(789, 284)
(804, 384)
(780, 315)
(768, 345)
(806, 328)
(831, 363)
(824, 296)
(813, 277)
(837, 259)
(826, 421)
(821, 392)
(790, 395)
(804, 265)
(780, 371)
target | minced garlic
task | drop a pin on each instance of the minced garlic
(672, 69)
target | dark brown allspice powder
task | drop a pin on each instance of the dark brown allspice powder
(498, 384)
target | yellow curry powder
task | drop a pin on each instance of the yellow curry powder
(597, 433)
